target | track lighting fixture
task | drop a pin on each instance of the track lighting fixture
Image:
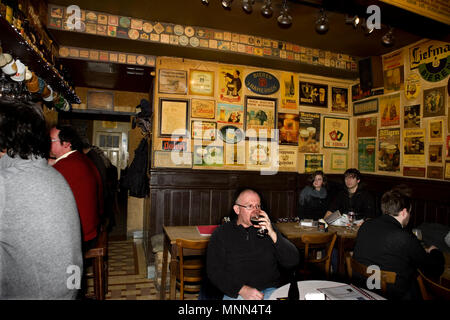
(266, 9)
(352, 20)
(247, 5)
(205, 2)
(227, 4)
(366, 29)
(322, 23)
(388, 39)
(284, 19)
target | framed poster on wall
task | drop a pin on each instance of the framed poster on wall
(260, 117)
(201, 83)
(173, 117)
(336, 132)
(172, 81)
(365, 107)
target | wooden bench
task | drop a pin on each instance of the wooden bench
(99, 254)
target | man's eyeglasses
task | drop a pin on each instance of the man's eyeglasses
(249, 207)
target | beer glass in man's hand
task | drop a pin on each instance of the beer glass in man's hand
(262, 231)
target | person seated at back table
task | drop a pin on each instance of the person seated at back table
(353, 198)
(313, 200)
(386, 243)
(240, 263)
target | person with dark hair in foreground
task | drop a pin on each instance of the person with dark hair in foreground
(386, 243)
(40, 236)
(243, 264)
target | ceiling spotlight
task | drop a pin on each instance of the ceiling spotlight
(227, 4)
(388, 38)
(247, 5)
(266, 9)
(322, 23)
(205, 2)
(284, 18)
(366, 29)
(354, 21)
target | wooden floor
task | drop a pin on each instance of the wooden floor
(127, 278)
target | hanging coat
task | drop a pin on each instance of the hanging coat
(136, 179)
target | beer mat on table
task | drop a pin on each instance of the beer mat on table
(333, 217)
(206, 230)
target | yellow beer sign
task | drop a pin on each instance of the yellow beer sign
(428, 52)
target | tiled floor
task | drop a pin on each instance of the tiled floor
(127, 278)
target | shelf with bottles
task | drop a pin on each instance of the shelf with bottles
(15, 44)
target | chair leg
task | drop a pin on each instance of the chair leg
(181, 289)
(99, 278)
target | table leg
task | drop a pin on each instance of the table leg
(173, 271)
(341, 257)
(162, 293)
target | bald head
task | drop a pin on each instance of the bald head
(244, 194)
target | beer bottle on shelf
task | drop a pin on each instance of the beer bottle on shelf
(9, 11)
(21, 19)
(2, 8)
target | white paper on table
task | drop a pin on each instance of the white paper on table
(346, 292)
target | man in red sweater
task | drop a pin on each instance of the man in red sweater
(82, 177)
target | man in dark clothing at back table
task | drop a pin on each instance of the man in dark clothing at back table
(353, 198)
(384, 242)
(243, 265)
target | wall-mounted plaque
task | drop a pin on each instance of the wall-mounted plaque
(201, 83)
(364, 107)
(203, 108)
(100, 100)
(172, 81)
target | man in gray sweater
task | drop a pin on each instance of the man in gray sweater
(40, 236)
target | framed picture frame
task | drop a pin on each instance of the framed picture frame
(339, 100)
(203, 108)
(365, 107)
(173, 117)
(336, 132)
(201, 83)
(172, 81)
(100, 100)
(260, 117)
(204, 130)
(313, 94)
(339, 161)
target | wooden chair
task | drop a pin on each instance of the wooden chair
(318, 244)
(387, 277)
(431, 290)
(99, 254)
(191, 264)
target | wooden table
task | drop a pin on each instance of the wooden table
(345, 238)
(171, 234)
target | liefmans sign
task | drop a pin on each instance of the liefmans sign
(432, 58)
(261, 82)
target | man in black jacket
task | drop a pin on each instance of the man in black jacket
(385, 243)
(243, 265)
(353, 198)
